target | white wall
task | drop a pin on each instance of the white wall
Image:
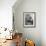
(28, 6)
(37, 34)
(43, 22)
(6, 13)
(34, 5)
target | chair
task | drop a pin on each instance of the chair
(29, 43)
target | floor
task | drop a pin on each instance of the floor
(9, 43)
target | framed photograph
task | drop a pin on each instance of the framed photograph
(29, 19)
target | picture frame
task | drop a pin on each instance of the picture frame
(29, 19)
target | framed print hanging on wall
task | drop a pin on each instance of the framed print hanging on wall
(29, 19)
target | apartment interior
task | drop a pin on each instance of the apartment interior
(15, 29)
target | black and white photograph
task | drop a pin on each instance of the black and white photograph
(29, 19)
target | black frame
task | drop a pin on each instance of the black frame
(33, 15)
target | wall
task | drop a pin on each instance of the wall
(43, 22)
(34, 33)
(28, 6)
(6, 13)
